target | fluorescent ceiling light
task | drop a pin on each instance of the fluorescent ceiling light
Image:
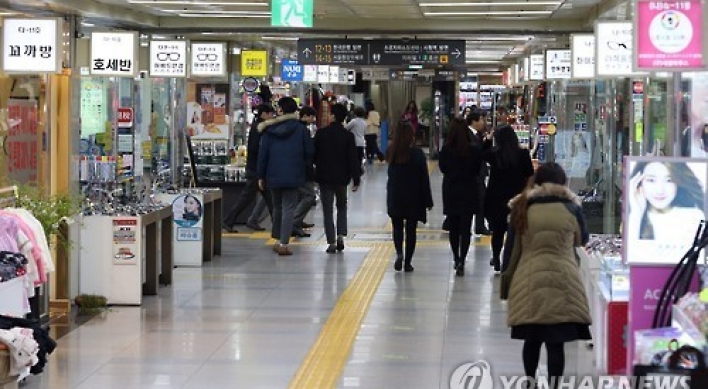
(190, 2)
(221, 15)
(8, 13)
(493, 4)
(487, 13)
(266, 13)
(279, 38)
(475, 61)
(85, 24)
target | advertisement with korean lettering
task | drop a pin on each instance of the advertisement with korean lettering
(669, 35)
(207, 111)
(168, 59)
(208, 60)
(31, 45)
(613, 48)
(664, 205)
(22, 141)
(114, 54)
(536, 67)
(558, 64)
(254, 63)
(582, 48)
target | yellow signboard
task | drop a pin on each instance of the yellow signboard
(254, 63)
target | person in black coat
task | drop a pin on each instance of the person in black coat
(477, 124)
(510, 171)
(337, 163)
(407, 192)
(250, 191)
(459, 162)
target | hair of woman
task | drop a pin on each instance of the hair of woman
(412, 107)
(458, 138)
(507, 147)
(547, 173)
(403, 137)
(689, 191)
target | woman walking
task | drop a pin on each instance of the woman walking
(373, 127)
(547, 301)
(510, 169)
(408, 192)
(460, 163)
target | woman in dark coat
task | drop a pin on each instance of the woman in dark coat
(407, 192)
(459, 162)
(510, 171)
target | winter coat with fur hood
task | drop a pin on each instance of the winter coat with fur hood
(542, 272)
(285, 152)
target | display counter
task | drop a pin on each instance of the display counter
(231, 193)
(126, 257)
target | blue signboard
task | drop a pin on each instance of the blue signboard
(291, 71)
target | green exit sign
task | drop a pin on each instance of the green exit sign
(291, 13)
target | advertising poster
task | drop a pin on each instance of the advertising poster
(125, 241)
(695, 137)
(188, 212)
(207, 115)
(22, 142)
(669, 35)
(664, 203)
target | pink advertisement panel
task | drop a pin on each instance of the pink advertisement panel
(669, 34)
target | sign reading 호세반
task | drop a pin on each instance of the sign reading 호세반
(31, 45)
(669, 35)
(208, 60)
(254, 63)
(168, 59)
(613, 48)
(582, 48)
(114, 54)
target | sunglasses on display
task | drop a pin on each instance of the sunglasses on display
(207, 57)
(170, 56)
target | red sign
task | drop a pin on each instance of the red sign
(125, 117)
(22, 142)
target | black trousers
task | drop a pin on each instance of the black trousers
(407, 227)
(372, 147)
(460, 235)
(248, 197)
(479, 225)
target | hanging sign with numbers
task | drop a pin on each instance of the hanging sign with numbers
(208, 60)
(31, 46)
(114, 54)
(168, 59)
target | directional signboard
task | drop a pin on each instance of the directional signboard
(381, 52)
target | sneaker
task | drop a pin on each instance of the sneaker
(255, 227)
(331, 249)
(340, 243)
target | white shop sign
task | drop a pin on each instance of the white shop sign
(334, 74)
(208, 60)
(613, 48)
(32, 46)
(323, 74)
(582, 48)
(558, 64)
(114, 54)
(309, 73)
(168, 59)
(536, 67)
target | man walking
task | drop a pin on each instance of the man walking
(286, 150)
(477, 123)
(337, 164)
(250, 191)
(307, 196)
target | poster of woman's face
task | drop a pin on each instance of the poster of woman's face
(665, 203)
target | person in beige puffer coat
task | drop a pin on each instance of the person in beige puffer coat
(541, 277)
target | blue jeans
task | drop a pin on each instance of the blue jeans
(328, 193)
(284, 203)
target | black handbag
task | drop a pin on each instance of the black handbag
(593, 207)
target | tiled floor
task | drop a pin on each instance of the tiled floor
(249, 318)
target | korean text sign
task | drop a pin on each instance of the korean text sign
(114, 54)
(254, 63)
(613, 44)
(582, 47)
(669, 35)
(558, 64)
(31, 45)
(168, 59)
(208, 59)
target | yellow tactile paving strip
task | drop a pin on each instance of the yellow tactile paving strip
(325, 362)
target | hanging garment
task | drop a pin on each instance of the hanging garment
(40, 335)
(35, 269)
(23, 348)
(41, 239)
